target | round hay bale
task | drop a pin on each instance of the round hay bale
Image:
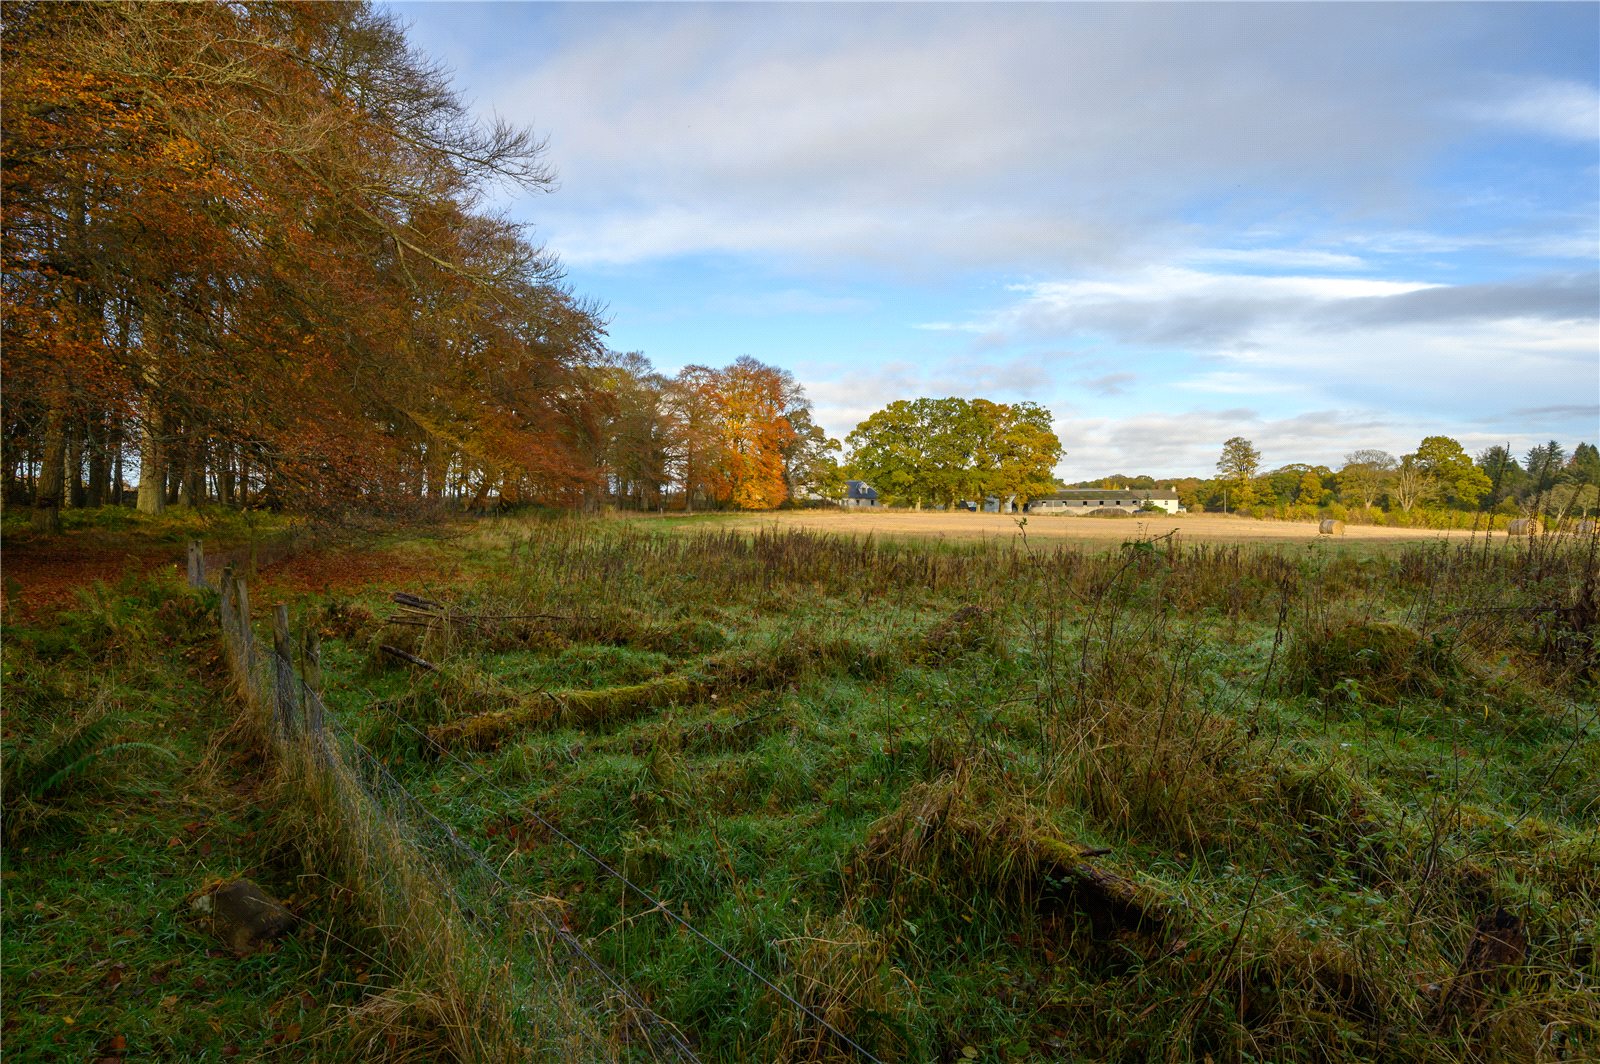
(1330, 527)
(1525, 526)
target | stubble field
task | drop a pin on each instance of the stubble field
(1193, 528)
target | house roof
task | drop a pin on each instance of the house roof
(859, 489)
(1117, 493)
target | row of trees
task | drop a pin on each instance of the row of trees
(242, 248)
(942, 451)
(244, 262)
(740, 436)
(1439, 476)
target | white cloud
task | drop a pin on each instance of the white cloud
(1283, 258)
(1053, 134)
(1567, 110)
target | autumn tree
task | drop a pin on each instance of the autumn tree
(1237, 469)
(946, 450)
(244, 237)
(1449, 473)
(1364, 476)
(733, 441)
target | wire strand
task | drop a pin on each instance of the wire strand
(625, 881)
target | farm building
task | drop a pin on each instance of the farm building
(858, 493)
(1078, 503)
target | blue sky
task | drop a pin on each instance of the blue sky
(1322, 227)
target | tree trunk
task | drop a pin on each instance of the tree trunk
(152, 464)
(52, 472)
(99, 468)
(225, 474)
(119, 487)
(74, 470)
(187, 496)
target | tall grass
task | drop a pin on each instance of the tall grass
(1169, 801)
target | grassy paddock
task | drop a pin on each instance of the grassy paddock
(1023, 800)
(130, 784)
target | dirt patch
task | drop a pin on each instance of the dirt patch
(328, 569)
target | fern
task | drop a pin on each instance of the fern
(69, 772)
(41, 774)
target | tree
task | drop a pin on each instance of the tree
(752, 434)
(1449, 472)
(810, 462)
(1410, 483)
(731, 435)
(1545, 466)
(892, 450)
(1310, 492)
(947, 450)
(1584, 465)
(1364, 476)
(1238, 466)
(244, 234)
(1505, 476)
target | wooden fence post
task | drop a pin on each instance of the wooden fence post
(283, 669)
(311, 678)
(247, 634)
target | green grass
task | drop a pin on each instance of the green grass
(1324, 815)
(1154, 803)
(124, 524)
(102, 953)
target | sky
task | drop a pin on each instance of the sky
(1322, 227)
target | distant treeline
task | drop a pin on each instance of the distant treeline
(1438, 485)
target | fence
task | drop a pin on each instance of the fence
(459, 926)
(421, 876)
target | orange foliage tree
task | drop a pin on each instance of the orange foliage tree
(239, 242)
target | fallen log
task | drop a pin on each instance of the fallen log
(407, 657)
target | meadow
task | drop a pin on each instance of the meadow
(1026, 802)
(812, 796)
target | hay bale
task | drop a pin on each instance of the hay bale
(1525, 526)
(1330, 527)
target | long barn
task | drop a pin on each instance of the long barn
(1079, 503)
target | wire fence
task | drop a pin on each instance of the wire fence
(418, 875)
(600, 1007)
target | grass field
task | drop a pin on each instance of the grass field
(1088, 531)
(973, 800)
(988, 798)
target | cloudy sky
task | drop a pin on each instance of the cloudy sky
(1322, 227)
